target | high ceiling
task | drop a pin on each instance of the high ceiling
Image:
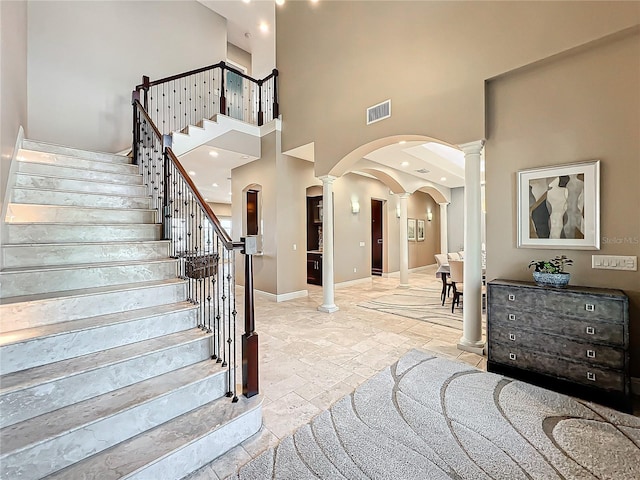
(430, 162)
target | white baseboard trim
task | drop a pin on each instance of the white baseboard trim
(635, 386)
(411, 270)
(357, 281)
(283, 297)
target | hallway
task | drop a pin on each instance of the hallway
(310, 359)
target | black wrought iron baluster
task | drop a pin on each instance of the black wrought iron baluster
(216, 296)
(234, 313)
(223, 311)
(229, 320)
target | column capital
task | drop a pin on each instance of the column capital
(328, 178)
(404, 195)
(444, 204)
(472, 147)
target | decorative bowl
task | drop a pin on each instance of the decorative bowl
(556, 280)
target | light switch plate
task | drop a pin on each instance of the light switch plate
(615, 262)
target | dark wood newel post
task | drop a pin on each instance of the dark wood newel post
(167, 141)
(135, 96)
(250, 337)
(260, 112)
(223, 100)
(276, 106)
(145, 87)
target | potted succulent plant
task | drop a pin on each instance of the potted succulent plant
(550, 273)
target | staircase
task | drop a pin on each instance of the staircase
(104, 373)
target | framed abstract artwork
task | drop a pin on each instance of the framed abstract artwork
(411, 229)
(559, 206)
(421, 230)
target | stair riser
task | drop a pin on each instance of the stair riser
(57, 453)
(46, 312)
(76, 162)
(20, 283)
(21, 213)
(201, 452)
(29, 168)
(41, 351)
(78, 199)
(73, 152)
(73, 185)
(59, 233)
(20, 405)
(74, 254)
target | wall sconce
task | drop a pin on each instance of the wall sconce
(355, 207)
(429, 215)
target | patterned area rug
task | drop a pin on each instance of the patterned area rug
(426, 417)
(420, 304)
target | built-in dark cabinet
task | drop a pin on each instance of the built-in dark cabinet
(575, 340)
(314, 268)
(314, 240)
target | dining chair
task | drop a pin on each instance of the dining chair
(443, 272)
(456, 268)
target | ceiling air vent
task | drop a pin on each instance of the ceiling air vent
(379, 112)
(422, 170)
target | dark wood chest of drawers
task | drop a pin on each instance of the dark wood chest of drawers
(574, 340)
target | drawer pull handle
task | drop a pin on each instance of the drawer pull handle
(591, 354)
(591, 376)
(512, 336)
(512, 297)
(589, 307)
(512, 356)
(512, 316)
(590, 330)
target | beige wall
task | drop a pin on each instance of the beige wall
(85, 58)
(13, 82)
(455, 217)
(221, 209)
(239, 56)
(577, 107)
(430, 58)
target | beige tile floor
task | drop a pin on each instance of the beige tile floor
(309, 359)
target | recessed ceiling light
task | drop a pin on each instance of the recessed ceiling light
(213, 153)
(402, 142)
(443, 179)
(245, 157)
(246, 1)
(264, 27)
(192, 173)
(405, 164)
(215, 185)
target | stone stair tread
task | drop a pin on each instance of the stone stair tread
(80, 415)
(94, 194)
(19, 336)
(46, 147)
(23, 379)
(88, 291)
(71, 244)
(97, 157)
(63, 171)
(75, 207)
(133, 455)
(84, 265)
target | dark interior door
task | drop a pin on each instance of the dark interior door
(376, 237)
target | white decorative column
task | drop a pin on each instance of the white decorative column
(328, 287)
(404, 242)
(471, 340)
(444, 236)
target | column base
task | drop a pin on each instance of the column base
(328, 308)
(404, 285)
(479, 348)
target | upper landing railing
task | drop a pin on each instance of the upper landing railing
(185, 99)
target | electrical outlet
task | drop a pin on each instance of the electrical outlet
(615, 262)
(362, 244)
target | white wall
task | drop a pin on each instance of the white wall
(455, 220)
(13, 81)
(85, 58)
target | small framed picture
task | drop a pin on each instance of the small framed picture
(411, 229)
(421, 230)
(559, 206)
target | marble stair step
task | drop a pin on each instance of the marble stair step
(36, 145)
(30, 311)
(34, 213)
(37, 447)
(33, 347)
(58, 278)
(49, 254)
(29, 393)
(36, 233)
(40, 196)
(175, 448)
(62, 160)
(51, 182)
(31, 168)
